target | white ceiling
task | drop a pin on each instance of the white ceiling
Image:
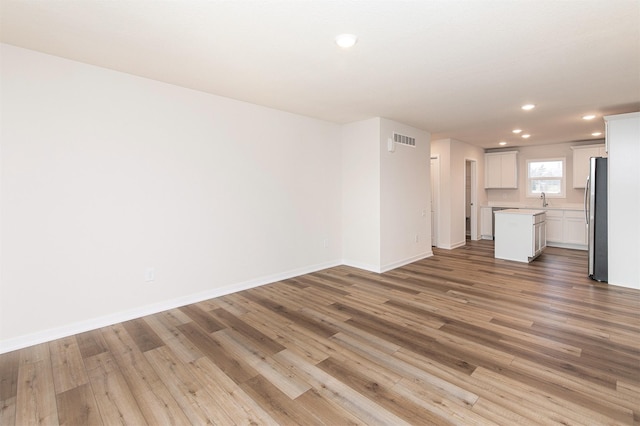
(459, 69)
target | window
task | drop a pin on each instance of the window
(546, 176)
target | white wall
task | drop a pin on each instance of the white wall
(104, 174)
(405, 194)
(574, 197)
(442, 149)
(453, 157)
(623, 139)
(361, 194)
(383, 196)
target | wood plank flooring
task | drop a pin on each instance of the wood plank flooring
(459, 338)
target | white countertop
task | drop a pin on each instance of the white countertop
(529, 212)
(569, 206)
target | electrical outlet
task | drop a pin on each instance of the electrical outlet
(325, 243)
(416, 239)
(150, 274)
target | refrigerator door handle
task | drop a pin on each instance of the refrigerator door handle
(586, 200)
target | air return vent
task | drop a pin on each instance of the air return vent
(404, 140)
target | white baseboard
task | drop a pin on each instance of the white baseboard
(568, 246)
(403, 262)
(360, 265)
(453, 246)
(459, 244)
(24, 341)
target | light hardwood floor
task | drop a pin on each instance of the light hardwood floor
(459, 338)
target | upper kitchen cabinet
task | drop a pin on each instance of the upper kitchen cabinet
(581, 156)
(501, 169)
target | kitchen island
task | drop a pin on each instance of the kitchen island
(520, 234)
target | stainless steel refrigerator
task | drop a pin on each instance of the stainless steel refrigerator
(595, 206)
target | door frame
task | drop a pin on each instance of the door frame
(434, 164)
(473, 216)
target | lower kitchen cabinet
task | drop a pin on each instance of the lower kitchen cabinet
(555, 230)
(520, 234)
(567, 228)
(486, 223)
(575, 227)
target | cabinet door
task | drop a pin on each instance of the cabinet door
(581, 161)
(486, 222)
(501, 170)
(492, 171)
(540, 238)
(554, 229)
(509, 170)
(602, 152)
(575, 227)
(543, 236)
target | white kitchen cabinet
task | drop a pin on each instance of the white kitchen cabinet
(581, 156)
(486, 223)
(501, 169)
(623, 142)
(520, 234)
(567, 228)
(555, 231)
(539, 236)
(575, 227)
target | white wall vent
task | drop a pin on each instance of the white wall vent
(404, 140)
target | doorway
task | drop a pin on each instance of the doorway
(471, 199)
(435, 197)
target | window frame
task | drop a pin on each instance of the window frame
(563, 178)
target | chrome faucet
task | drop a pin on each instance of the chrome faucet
(544, 199)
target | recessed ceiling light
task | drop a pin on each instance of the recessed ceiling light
(503, 143)
(588, 117)
(346, 40)
(596, 133)
(528, 107)
(526, 136)
(516, 131)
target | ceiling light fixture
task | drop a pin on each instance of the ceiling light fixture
(596, 133)
(588, 117)
(516, 131)
(346, 40)
(526, 136)
(503, 143)
(528, 107)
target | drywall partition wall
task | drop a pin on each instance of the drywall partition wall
(623, 141)
(460, 153)
(453, 157)
(384, 196)
(361, 194)
(405, 216)
(442, 148)
(105, 175)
